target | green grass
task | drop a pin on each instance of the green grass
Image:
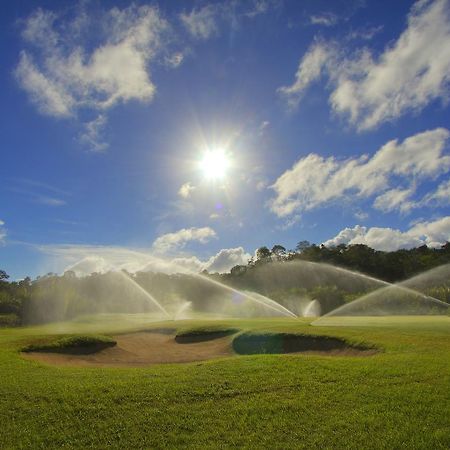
(398, 398)
(204, 332)
(82, 343)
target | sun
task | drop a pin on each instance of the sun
(215, 164)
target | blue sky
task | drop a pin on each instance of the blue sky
(331, 117)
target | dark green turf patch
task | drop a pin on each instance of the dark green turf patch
(278, 343)
(81, 345)
(202, 334)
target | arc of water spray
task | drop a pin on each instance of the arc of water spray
(386, 284)
(146, 294)
(272, 304)
(268, 302)
(386, 287)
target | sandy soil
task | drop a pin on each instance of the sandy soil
(141, 349)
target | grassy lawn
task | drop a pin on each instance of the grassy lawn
(398, 398)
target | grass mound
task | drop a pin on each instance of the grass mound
(84, 344)
(277, 343)
(202, 334)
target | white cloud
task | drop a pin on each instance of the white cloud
(2, 231)
(263, 126)
(90, 264)
(260, 7)
(39, 30)
(345, 236)
(186, 190)
(92, 134)
(227, 258)
(395, 199)
(86, 259)
(174, 60)
(314, 180)
(201, 23)
(63, 75)
(261, 185)
(309, 70)
(39, 192)
(327, 19)
(49, 201)
(176, 241)
(401, 198)
(221, 262)
(205, 22)
(188, 264)
(361, 215)
(440, 197)
(365, 33)
(47, 95)
(434, 234)
(407, 76)
(387, 239)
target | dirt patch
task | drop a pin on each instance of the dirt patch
(141, 349)
(278, 343)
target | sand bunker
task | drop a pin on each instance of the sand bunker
(141, 349)
(162, 346)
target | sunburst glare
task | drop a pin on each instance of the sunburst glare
(215, 164)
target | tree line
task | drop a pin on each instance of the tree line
(388, 266)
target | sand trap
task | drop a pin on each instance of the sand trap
(161, 346)
(141, 349)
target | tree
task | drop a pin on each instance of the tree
(238, 270)
(3, 275)
(279, 251)
(302, 246)
(263, 254)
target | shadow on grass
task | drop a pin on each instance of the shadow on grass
(280, 343)
(193, 336)
(74, 345)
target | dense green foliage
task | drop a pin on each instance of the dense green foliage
(388, 266)
(398, 398)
